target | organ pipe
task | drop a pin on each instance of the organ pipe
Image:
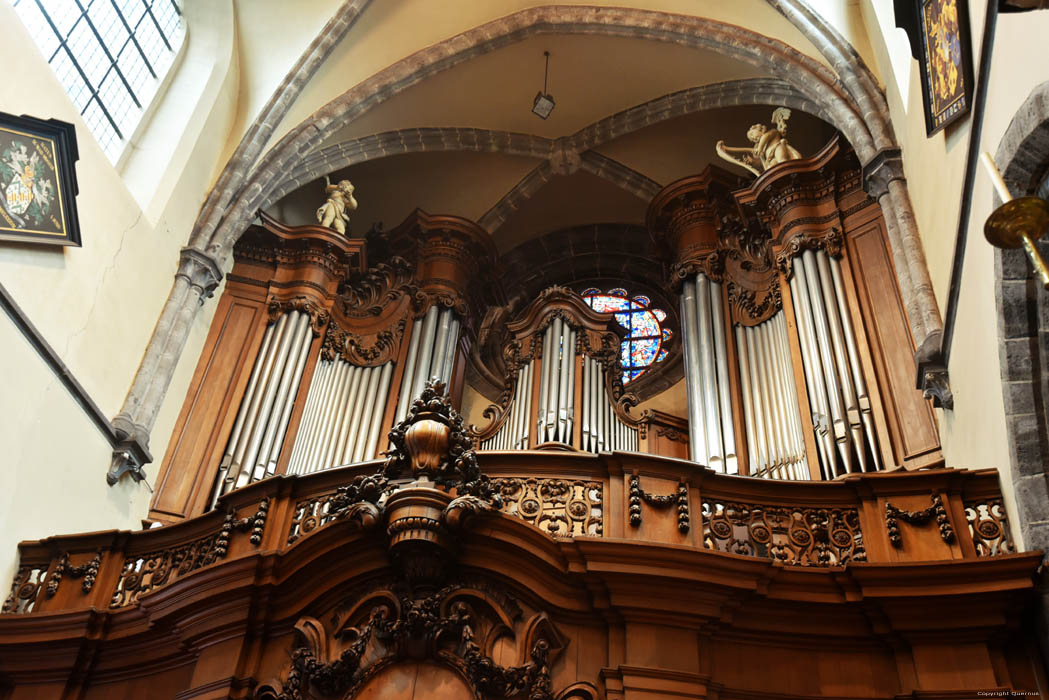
(560, 405)
(712, 439)
(776, 444)
(833, 373)
(431, 354)
(265, 410)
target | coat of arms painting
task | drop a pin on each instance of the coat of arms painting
(37, 181)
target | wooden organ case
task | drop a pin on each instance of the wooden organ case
(332, 527)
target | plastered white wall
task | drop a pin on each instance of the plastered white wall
(96, 305)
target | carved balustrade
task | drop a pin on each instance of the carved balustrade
(879, 518)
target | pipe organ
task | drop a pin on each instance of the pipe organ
(563, 379)
(787, 338)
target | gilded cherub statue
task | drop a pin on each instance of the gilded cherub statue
(770, 145)
(333, 213)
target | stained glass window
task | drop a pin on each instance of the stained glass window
(646, 340)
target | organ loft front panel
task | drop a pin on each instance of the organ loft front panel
(411, 466)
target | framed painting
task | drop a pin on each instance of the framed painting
(945, 61)
(38, 184)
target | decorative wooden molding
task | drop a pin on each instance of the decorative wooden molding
(88, 571)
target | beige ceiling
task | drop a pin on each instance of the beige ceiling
(591, 77)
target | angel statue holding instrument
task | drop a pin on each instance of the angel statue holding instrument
(333, 213)
(770, 145)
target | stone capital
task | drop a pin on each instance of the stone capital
(131, 453)
(199, 269)
(883, 168)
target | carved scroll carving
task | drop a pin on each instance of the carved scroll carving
(24, 590)
(151, 570)
(560, 507)
(792, 535)
(679, 498)
(918, 517)
(989, 527)
(751, 281)
(370, 292)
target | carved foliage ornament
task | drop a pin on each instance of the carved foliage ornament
(830, 241)
(318, 317)
(751, 281)
(88, 572)
(340, 343)
(445, 626)
(372, 291)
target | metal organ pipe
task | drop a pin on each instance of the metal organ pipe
(690, 341)
(409, 369)
(832, 360)
(728, 430)
(771, 417)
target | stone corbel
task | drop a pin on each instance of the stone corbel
(131, 453)
(201, 271)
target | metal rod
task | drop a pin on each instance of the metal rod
(347, 405)
(329, 437)
(708, 383)
(272, 423)
(728, 430)
(761, 448)
(249, 394)
(409, 371)
(440, 344)
(256, 399)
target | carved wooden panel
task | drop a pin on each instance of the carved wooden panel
(209, 409)
(560, 507)
(911, 422)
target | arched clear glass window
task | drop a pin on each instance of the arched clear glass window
(647, 339)
(109, 55)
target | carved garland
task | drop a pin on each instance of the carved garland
(340, 343)
(88, 572)
(680, 497)
(919, 517)
(369, 293)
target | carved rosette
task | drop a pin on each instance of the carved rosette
(319, 318)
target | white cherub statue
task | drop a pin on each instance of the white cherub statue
(770, 145)
(333, 213)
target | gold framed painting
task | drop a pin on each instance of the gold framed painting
(946, 62)
(38, 184)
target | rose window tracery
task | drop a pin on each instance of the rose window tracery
(647, 339)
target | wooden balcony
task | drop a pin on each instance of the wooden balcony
(567, 499)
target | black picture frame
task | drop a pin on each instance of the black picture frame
(945, 61)
(38, 185)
